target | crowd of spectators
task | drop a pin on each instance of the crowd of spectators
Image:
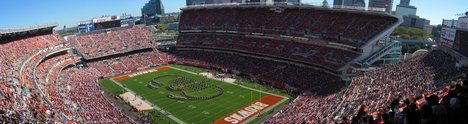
(375, 90)
(350, 28)
(69, 94)
(37, 84)
(281, 75)
(28, 77)
(17, 97)
(128, 63)
(40, 83)
(89, 104)
(448, 106)
(73, 94)
(108, 42)
(318, 55)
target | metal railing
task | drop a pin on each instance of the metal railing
(372, 58)
(13, 30)
(340, 7)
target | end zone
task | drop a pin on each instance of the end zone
(135, 101)
(163, 68)
(120, 78)
(250, 110)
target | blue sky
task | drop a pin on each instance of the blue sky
(21, 13)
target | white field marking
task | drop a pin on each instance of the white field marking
(232, 83)
(266, 110)
(135, 101)
(218, 110)
(154, 106)
(250, 119)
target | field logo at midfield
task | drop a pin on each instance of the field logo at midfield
(141, 73)
(249, 111)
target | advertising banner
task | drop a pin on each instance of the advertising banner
(448, 33)
(462, 23)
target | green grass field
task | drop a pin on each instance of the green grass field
(195, 111)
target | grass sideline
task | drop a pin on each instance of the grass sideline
(193, 111)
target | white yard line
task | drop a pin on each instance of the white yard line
(190, 72)
(154, 106)
(232, 83)
(252, 118)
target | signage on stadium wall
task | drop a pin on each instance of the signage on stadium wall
(82, 28)
(91, 28)
(446, 43)
(249, 111)
(448, 33)
(105, 19)
(102, 19)
(85, 28)
(462, 23)
(461, 42)
(126, 22)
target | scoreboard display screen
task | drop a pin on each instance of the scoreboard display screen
(108, 24)
(461, 42)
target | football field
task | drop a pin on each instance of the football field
(181, 95)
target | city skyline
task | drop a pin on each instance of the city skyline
(71, 13)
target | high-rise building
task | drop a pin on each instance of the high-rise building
(152, 8)
(254, 1)
(196, 2)
(359, 3)
(338, 2)
(387, 4)
(221, 1)
(452, 23)
(343, 2)
(405, 10)
(294, 1)
(404, 2)
(325, 3)
(415, 22)
(209, 1)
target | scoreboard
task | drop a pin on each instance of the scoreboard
(447, 36)
(461, 42)
(107, 24)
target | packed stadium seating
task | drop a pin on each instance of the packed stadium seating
(424, 74)
(274, 73)
(444, 107)
(318, 55)
(39, 74)
(14, 56)
(113, 41)
(350, 28)
(43, 81)
(93, 107)
(73, 91)
(128, 63)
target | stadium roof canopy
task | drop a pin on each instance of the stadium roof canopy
(356, 9)
(11, 33)
(24, 29)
